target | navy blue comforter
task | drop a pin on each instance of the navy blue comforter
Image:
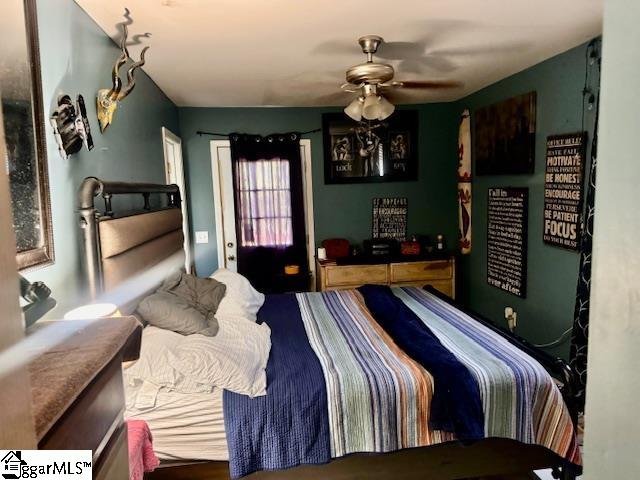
(456, 405)
(289, 425)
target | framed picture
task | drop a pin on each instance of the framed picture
(505, 136)
(363, 152)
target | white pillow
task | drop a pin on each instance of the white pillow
(153, 365)
(241, 300)
(235, 359)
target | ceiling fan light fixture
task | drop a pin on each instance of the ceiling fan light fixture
(370, 109)
(354, 109)
(376, 107)
(385, 108)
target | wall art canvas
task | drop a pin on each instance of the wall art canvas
(364, 152)
(504, 136)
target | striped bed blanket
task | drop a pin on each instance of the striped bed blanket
(339, 383)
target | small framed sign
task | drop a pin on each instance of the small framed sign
(390, 218)
(366, 152)
(563, 190)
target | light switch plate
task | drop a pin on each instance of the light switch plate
(202, 237)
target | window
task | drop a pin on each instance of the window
(264, 203)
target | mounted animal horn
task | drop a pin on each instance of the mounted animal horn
(107, 99)
(131, 80)
(115, 74)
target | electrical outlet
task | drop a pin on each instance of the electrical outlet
(202, 237)
(512, 317)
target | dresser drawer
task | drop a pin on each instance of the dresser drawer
(91, 420)
(356, 275)
(114, 463)
(417, 271)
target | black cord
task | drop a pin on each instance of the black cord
(586, 78)
(214, 134)
(591, 53)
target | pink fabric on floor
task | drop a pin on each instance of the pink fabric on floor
(141, 456)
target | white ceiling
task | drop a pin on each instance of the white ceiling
(295, 52)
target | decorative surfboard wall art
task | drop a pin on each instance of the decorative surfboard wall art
(464, 183)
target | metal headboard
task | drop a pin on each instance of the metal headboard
(90, 216)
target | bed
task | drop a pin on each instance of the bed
(351, 393)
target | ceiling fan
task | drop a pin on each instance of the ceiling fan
(372, 80)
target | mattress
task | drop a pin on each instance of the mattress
(185, 426)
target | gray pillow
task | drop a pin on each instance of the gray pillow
(171, 312)
(205, 294)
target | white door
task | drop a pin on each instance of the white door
(174, 169)
(224, 206)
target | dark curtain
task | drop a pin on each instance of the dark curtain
(579, 337)
(269, 203)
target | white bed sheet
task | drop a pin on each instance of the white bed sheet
(185, 426)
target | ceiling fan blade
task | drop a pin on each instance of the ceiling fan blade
(337, 47)
(287, 97)
(430, 63)
(399, 96)
(401, 51)
(513, 47)
(429, 84)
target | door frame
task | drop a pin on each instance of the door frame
(168, 138)
(307, 184)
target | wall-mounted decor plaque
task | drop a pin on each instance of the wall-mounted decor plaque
(563, 186)
(390, 218)
(507, 214)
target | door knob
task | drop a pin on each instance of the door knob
(231, 258)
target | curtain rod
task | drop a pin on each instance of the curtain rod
(200, 132)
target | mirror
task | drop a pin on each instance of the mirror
(24, 130)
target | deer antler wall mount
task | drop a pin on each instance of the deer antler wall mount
(107, 99)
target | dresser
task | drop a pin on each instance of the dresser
(440, 274)
(77, 388)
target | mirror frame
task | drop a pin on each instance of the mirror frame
(43, 255)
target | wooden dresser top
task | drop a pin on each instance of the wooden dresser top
(67, 355)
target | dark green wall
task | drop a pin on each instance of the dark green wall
(77, 57)
(339, 210)
(552, 272)
(345, 210)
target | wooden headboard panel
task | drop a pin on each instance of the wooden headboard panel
(126, 256)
